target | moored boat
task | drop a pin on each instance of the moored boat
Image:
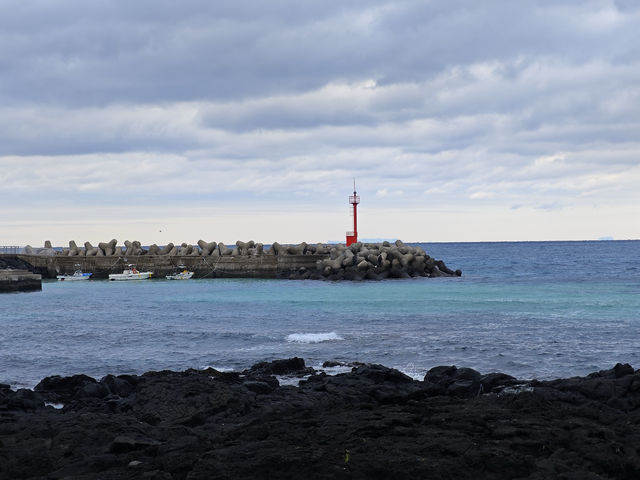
(77, 275)
(130, 273)
(180, 275)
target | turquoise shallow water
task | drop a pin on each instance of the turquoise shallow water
(531, 309)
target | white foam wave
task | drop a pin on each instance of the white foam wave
(292, 381)
(313, 337)
(338, 369)
(220, 369)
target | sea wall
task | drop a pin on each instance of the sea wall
(19, 281)
(360, 261)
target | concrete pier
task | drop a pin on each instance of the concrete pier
(19, 281)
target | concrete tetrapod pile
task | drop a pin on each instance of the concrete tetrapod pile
(376, 261)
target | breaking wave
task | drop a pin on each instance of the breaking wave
(313, 337)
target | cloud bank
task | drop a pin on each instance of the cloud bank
(460, 121)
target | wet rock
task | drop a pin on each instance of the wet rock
(459, 382)
(121, 385)
(259, 387)
(441, 375)
(382, 374)
(497, 381)
(92, 390)
(22, 399)
(62, 389)
(289, 366)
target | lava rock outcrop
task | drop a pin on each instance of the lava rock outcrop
(373, 422)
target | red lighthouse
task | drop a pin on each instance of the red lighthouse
(352, 237)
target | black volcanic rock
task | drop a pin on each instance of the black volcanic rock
(374, 422)
(290, 366)
(62, 389)
(495, 382)
(458, 382)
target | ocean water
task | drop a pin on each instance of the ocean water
(530, 309)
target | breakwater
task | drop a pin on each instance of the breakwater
(360, 261)
(19, 281)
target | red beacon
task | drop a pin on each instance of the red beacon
(352, 237)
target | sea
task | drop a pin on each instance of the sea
(530, 309)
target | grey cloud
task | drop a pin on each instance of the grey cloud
(466, 94)
(57, 131)
(283, 116)
(627, 5)
(79, 53)
(94, 53)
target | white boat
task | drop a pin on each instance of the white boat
(183, 275)
(77, 275)
(130, 273)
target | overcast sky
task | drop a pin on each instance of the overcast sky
(173, 121)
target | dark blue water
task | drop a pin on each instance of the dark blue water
(530, 309)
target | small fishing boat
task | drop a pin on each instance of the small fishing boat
(130, 273)
(77, 275)
(180, 275)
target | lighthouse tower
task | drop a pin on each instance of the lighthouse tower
(352, 237)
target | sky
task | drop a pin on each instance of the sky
(164, 121)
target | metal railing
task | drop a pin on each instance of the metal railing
(11, 249)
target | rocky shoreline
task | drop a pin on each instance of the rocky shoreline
(373, 422)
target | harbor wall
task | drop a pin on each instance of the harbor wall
(19, 281)
(265, 266)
